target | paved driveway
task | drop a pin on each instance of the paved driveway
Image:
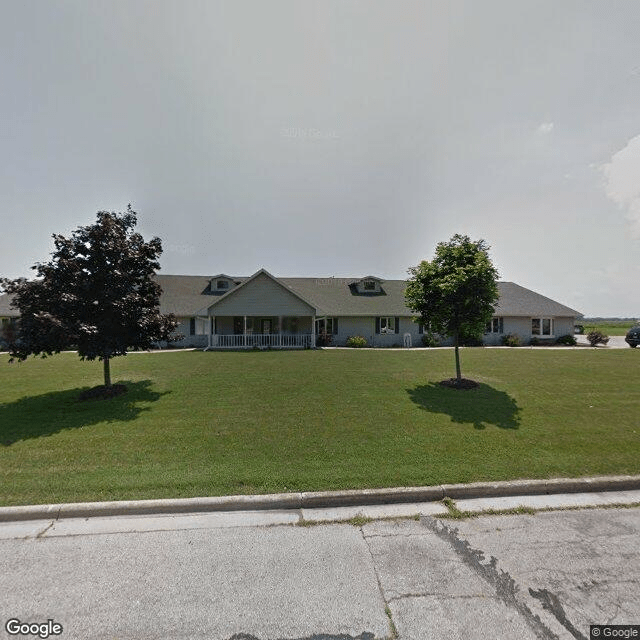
(615, 342)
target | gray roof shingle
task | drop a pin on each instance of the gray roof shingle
(517, 301)
(186, 295)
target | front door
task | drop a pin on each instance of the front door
(266, 326)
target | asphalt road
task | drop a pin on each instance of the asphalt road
(259, 576)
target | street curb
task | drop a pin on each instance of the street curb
(321, 499)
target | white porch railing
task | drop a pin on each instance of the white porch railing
(250, 340)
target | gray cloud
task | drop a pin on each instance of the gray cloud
(333, 138)
(622, 175)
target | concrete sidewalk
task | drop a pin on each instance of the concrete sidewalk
(139, 523)
(388, 499)
(238, 576)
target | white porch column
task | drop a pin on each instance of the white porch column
(245, 331)
(313, 332)
(212, 328)
(280, 331)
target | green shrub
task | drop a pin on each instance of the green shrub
(597, 337)
(534, 342)
(511, 340)
(356, 342)
(470, 340)
(324, 339)
(567, 339)
(429, 340)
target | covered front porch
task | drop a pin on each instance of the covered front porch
(250, 332)
(261, 312)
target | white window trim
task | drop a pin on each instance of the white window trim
(543, 335)
(496, 320)
(322, 325)
(386, 330)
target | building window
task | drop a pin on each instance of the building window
(495, 325)
(424, 328)
(222, 284)
(387, 324)
(192, 327)
(330, 325)
(541, 326)
(369, 285)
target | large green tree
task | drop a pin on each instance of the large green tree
(96, 294)
(455, 293)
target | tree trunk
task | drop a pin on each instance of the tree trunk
(458, 372)
(107, 371)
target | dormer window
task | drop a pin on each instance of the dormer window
(222, 284)
(369, 285)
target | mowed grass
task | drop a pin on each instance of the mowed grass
(610, 327)
(199, 424)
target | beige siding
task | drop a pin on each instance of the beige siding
(563, 326)
(366, 327)
(183, 326)
(521, 326)
(262, 297)
(199, 340)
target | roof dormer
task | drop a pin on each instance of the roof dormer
(368, 284)
(222, 283)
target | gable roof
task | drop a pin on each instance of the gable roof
(518, 301)
(191, 295)
(245, 281)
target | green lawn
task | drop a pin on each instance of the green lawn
(197, 424)
(609, 327)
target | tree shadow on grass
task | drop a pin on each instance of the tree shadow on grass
(50, 413)
(481, 407)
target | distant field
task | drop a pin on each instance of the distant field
(197, 424)
(607, 326)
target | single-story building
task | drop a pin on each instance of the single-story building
(229, 312)
(8, 318)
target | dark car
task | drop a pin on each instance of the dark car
(633, 336)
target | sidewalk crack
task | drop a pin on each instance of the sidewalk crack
(440, 596)
(505, 586)
(550, 602)
(41, 533)
(392, 627)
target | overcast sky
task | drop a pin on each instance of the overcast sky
(331, 137)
